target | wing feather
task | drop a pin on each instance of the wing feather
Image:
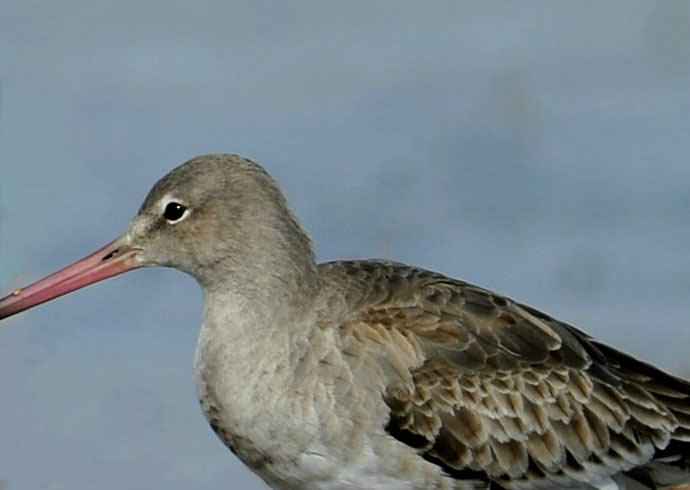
(482, 385)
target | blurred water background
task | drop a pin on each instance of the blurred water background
(540, 149)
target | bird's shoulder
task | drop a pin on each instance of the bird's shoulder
(470, 327)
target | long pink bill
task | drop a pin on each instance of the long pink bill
(111, 260)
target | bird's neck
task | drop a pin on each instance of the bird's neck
(258, 321)
(260, 316)
(268, 310)
(272, 266)
(248, 350)
(262, 310)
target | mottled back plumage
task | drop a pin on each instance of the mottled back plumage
(495, 391)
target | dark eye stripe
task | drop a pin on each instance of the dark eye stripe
(174, 211)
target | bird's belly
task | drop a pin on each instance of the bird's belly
(365, 471)
(265, 429)
(310, 467)
(260, 440)
(284, 446)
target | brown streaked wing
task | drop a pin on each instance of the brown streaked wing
(488, 388)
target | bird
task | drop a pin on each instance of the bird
(380, 375)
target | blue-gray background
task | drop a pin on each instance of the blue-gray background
(538, 149)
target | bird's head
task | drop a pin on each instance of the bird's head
(219, 217)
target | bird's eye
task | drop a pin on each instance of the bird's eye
(174, 211)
